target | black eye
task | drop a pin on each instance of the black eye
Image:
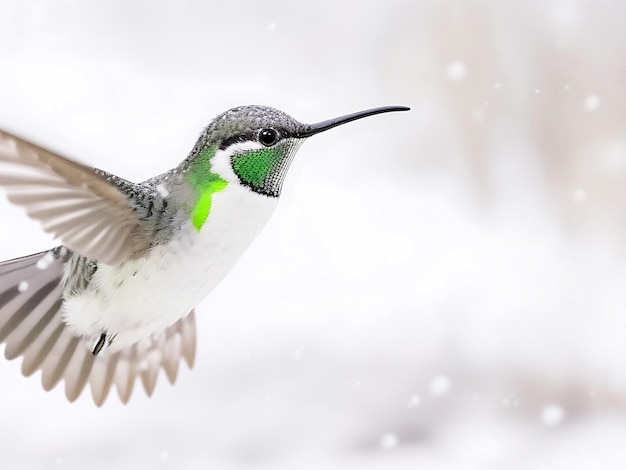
(268, 137)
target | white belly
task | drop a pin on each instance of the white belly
(142, 297)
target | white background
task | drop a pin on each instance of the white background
(439, 289)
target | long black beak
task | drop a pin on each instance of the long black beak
(312, 129)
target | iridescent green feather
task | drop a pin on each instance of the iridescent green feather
(205, 183)
(256, 166)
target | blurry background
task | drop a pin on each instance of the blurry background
(438, 289)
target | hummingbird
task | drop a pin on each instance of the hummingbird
(115, 301)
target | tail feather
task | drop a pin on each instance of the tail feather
(27, 319)
(57, 361)
(77, 372)
(35, 355)
(32, 326)
(102, 379)
(16, 349)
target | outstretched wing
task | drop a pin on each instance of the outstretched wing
(79, 205)
(32, 326)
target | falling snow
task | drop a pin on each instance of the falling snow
(45, 261)
(552, 415)
(414, 401)
(389, 441)
(592, 102)
(456, 70)
(439, 385)
(162, 190)
(579, 195)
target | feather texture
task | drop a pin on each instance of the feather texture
(32, 326)
(81, 206)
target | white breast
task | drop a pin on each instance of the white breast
(142, 297)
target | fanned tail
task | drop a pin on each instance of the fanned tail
(32, 326)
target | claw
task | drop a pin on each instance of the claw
(100, 344)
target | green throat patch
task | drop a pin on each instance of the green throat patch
(262, 170)
(205, 183)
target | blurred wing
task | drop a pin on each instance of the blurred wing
(32, 326)
(77, 204)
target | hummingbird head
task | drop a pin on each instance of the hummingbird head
(255, 145)
(251, 146)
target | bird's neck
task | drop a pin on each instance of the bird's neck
(204, 183)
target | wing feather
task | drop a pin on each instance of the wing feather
(101, 380)
(77, 373)
(65, 195)
(125, 376)
(32, 326)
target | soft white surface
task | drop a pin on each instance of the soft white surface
(438, 289)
